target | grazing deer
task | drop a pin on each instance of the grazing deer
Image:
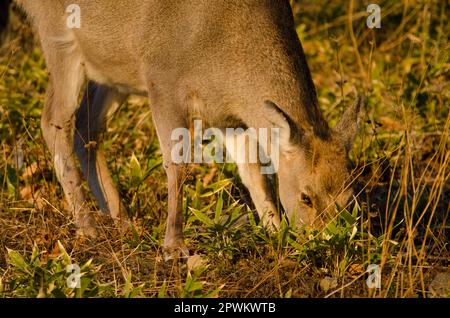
(237, 63)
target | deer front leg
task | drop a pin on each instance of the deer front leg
(174, 245)
(261, 196)
(251, 176)
(166, 120)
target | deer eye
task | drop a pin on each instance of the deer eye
(306, 200)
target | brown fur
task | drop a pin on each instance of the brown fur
(239, 60)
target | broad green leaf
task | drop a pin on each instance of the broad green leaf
(135, 169)
(162, 290)
(16, 260)
(66, 260)
(219, 208)
(202, 217)
(349, 219)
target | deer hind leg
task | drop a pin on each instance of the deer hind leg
(66, 80)
(98, 103)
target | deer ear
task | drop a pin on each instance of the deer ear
(347, 128)
(278, 119)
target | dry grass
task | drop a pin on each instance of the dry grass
(401, 167)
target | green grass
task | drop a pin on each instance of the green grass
(401, 161)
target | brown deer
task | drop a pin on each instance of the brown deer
(236, 63)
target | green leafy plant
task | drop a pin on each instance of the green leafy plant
(47, 276)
